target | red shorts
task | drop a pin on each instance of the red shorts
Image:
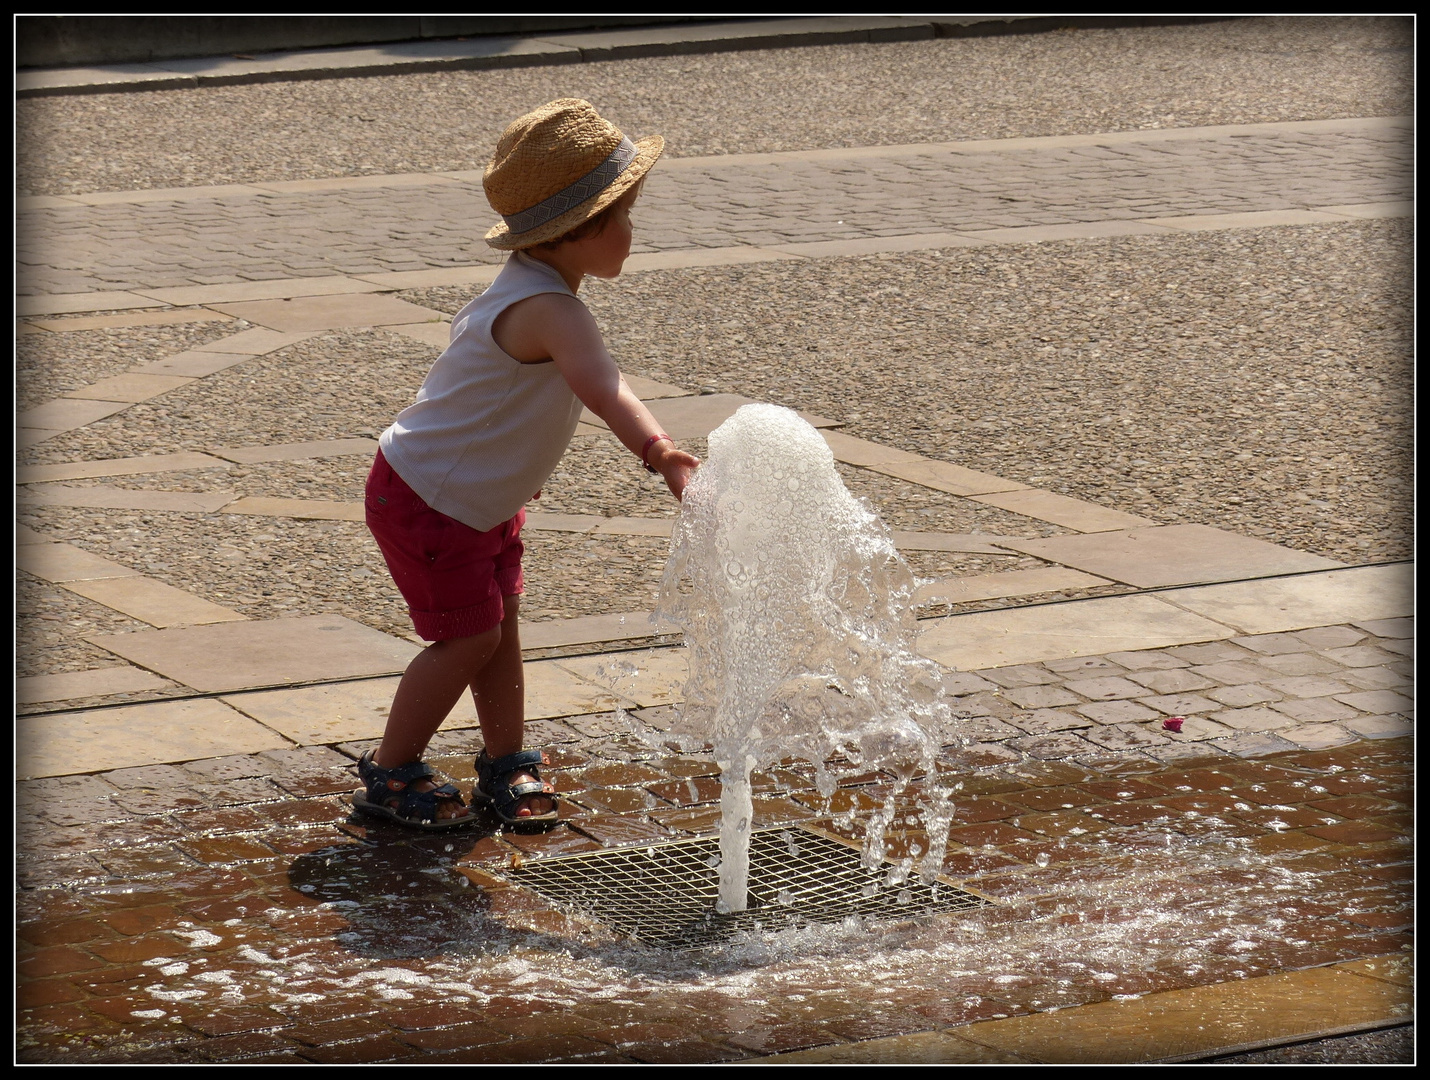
(453, 577)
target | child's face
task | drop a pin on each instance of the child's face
(606, 253)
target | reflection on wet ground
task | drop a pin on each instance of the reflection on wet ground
(280, 930)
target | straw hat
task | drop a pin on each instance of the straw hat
(557, 167)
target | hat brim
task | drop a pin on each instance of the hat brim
(647, 150)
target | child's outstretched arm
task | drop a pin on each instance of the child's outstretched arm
(560, 327)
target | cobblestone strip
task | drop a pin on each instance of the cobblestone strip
(714, 203)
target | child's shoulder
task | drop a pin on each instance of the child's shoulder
(538, 326)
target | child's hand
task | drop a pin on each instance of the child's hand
(677, 467)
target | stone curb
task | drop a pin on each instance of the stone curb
(1237, 1017)
(487, 53)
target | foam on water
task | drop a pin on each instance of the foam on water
(797, 614)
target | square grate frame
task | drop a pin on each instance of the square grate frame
(663, 895)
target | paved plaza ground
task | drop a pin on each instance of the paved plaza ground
(1126, 371)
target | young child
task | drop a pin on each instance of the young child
(453, 473)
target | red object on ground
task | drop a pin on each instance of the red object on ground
(1173, 723)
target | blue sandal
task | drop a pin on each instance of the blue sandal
(390, 794)
(492, 788)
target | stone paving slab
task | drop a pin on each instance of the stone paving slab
(240, 656)
(591, 630)
(695, 417)
(1403, 208)
(299, 509)
(67, 303)
(194, 363)
(1355, 594)
(153, 602)
(645, 389)
(65, 562)
(579, 523)
(133, 387)
(1171, 555)
(190, 502)
(689, 258)
(330, 312)
(1380, 727)
(1062, 510)
(24, 536)
(336, 713)
(435, 334)
(629, 526)
(65, 743)
(648, 677)
(1259, 219)
(987, 639)
(256, 342)
(135, 466)
(972, 543)
(921, 1048)
(64, 414)
(286, 288)
(1276, 1008)
(855, 451)
(1082, 230)
(115, 322)
(97, 682)
(554, 689)
(26, 437)
(427, 279)
(945, 476)
(875, 245)
(962, 590)
(249, 455)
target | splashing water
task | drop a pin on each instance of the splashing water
(797, 614)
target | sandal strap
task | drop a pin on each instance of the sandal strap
(421, 805)
(522, 759)
(517, 792)
(371, 772)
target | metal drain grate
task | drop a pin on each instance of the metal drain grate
(665, 895)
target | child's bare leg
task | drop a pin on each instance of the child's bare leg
(499, 690)
(433, 682)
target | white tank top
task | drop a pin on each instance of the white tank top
(486, 430)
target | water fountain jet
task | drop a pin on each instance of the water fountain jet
(797, 612)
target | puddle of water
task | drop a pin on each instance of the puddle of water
(1156, 909)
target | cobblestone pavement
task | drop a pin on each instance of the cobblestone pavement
(1183, 664)
(261, 232)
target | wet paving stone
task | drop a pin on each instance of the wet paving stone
(222, 850)
(559, 841)
(621, 775)
(146, 862)
(618, 801)
(621, 831)
(775, 1040)
(699, 820)
(691, 791)
(1050, 831)
(380, 1048)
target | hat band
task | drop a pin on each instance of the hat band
(592, 184)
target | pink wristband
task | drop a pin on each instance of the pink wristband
(645, 450)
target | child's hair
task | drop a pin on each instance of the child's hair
(592, 226)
